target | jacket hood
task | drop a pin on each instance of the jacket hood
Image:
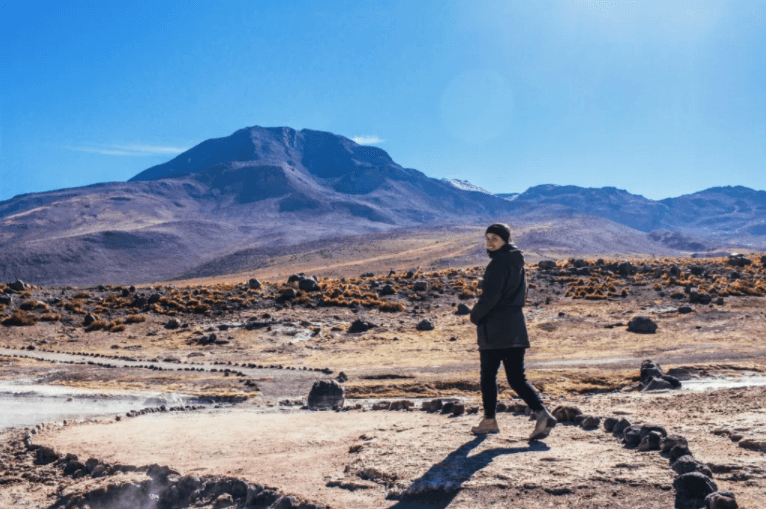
(510, 250)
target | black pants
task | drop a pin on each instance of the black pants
(513, 361)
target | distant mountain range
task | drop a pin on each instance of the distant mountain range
(261, 188)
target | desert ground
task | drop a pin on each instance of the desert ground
(245, 354)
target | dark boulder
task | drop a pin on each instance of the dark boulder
(425, 325)
(387, 290)
(685, 309)
(650, 442)
(686, 464)
(359, 325)
(620, 426)
(678, 451)
(649, 370)
(254, 284)
(609, 423)
(45, 455)
(308, 284)
(642, 325)
(420, 286)
(18, 285)
(462, 309)
(172, 324)
(626, 269)
(657, 384)
(721, 500)
(692, 488)
(326, 394)
(648, 428)
(546, 264)
(566, 413)
(738, 260)
(670, 441)
(632, 435)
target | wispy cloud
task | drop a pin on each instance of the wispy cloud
(368, 140)
(134, 150)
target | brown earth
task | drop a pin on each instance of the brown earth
(582, 355)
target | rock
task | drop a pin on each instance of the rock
(73, 466)
(697, 270)
(642, 325)
(448, 407)
(675, 382)
(755, 444)
(678, 451)
(420, 286)
(326, 394)
(89, 319)
(433, 405)
(657, 384)
(692, 488)
(609, 423)
(359, 325)
(686, 464)
(288, 293)
(620, 426)
(387, 290)
(738, 260)
(254, 284)
(225, 500)
(18, 285)
(685, 309)
(632, 435)
(590, 421)
(458, 409)
(286, 502)
(462, 309)
(721, 500)
(265, 498)
(649, 370)
(342, 377)
(46, 455)
(566, 413)
(674, 271)
(473, 409)
(626, 268)
(546, 264)
(648, 428)
(401, 404)
(252, 491)
(702, 298)
(670, 441)
(763, 260)
(308, 284)
(172, 324)
(99, 471)
(295, 277)
(650, 442)
(425, 325)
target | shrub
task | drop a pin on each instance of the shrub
(50, 317)
(391, 307)
(97, 325)
(81, 295)
(20, 318)
(33, 304)
(135, 319)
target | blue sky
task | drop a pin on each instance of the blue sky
(659, 98)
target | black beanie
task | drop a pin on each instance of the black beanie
(501, 230)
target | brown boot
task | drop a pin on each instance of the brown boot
(544, 425)
(486, 426)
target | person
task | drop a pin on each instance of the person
(502, 331)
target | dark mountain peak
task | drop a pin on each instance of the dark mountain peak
(323, 154)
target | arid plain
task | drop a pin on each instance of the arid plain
(250, 352)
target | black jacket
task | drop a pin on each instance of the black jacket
(498, 314)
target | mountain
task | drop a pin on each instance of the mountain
(235, 202)
(259, 188)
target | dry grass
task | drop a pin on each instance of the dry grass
(135, 319)
(20, 318)
(33, 304)
(50, 317)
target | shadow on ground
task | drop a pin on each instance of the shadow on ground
(438, 487)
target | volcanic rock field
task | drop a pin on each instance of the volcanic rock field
(653, 367)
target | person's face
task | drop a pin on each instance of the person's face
(494, 242)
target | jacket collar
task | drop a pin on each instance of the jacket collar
(505, 249)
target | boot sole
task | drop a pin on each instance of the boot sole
(494, 432)
(549, 425)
